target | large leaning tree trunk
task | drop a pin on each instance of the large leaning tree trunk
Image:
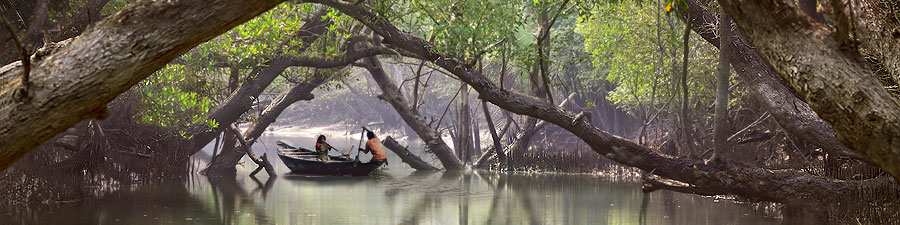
(225, 163)
(783, 186)
(75, 82)
(824, 65)
(391, 93)
(769, 91)
(878, 31)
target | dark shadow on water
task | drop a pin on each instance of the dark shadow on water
(422, 173)
(263, 188)
(235, 199)
(326, 179)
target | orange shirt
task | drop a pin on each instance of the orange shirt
(374, 146)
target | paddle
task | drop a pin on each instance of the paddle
(361, 136)
(331, 147)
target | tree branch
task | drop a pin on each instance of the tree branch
(76, 82)
(785, 186)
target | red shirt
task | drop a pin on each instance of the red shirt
(374, 146)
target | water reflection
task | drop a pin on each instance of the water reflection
(395, 195)
(416, 198)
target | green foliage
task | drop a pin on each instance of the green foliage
(465, 29)
(178, 96)
(255, 41)
(622, 39)
(113, 6)
(173, 97)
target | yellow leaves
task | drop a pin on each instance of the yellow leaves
(669, 5)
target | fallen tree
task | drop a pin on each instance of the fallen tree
(75, 82)
(408, 157)
(783, 186)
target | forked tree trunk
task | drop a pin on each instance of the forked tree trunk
(225, 163)
(262, 162)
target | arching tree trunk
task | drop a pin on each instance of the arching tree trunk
(785, 186)
(75, 82)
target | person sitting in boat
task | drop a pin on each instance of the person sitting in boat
(374, 146)
(322, 148)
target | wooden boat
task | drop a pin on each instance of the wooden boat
(304, 161)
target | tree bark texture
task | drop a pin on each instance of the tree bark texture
(784, 186)
(75, 82)
(829, 73)
(875, 28)
(768, 89)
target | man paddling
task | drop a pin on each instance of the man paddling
(374, 146)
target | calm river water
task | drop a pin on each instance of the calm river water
(395, 195)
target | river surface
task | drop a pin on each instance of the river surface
(394, 195)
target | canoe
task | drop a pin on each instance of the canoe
(304, 161)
